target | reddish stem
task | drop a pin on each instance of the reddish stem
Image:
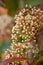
(14, 59)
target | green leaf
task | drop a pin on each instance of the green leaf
(33, 2)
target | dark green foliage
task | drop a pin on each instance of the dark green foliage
(14, 5)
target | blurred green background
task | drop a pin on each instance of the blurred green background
(14, 5)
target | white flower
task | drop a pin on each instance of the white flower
(20, 13)
(13, 29)
(18, 55)
(8, 56)
(19, 44)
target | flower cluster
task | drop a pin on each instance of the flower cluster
(28, 21)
